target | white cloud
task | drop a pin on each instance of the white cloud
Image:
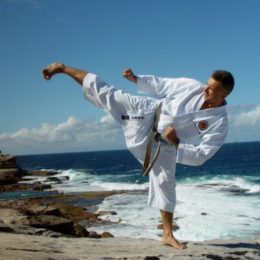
(248, 118)
(105, 134)
(244, 123)
(72, 135)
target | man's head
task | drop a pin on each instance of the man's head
(219, 86)
(225, 78)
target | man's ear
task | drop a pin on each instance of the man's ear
(225, 94)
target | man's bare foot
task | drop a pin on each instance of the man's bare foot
(52, 69)
(171, 241)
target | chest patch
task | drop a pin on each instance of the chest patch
(203, 125)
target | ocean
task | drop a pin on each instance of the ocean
(218, 200)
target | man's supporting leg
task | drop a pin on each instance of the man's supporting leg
(57, 68)
(168, 237)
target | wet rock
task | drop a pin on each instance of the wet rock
(54, 223)
(42, 216)
(42, 173)
(42, 210)
(10, 216)
(235, 189)
(57, 179)
(105, 212)
(37, 186)
(74, 213)
(106, 235)
(52, 211)
(80, 231)
(10, 175)
(14, 187)
(49, 233)
(10, 172)
(41, 187)
(209, 185)
(93, 234)
(28, 230)
(38, 219)
(5, 228)
(57, 224)
(53, 179)
(34, 209)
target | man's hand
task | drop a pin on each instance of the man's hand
(170, 134)
(53, 69)
(128, 74)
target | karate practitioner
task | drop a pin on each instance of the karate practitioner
(192, 124)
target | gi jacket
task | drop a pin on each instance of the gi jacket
(201, 132)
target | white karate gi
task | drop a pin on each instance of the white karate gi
(181, 101)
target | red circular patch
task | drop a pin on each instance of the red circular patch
(203, 125)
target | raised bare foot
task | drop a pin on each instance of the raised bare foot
(52, 69)
(171, 241)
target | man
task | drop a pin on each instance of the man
(189, 112)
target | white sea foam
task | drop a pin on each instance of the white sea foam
(83, 181)
(226, 181)
(227, 215)
(119, 186)
(135, 218)
(74, 175)
(32, 179)
(237, 182)
(224, 215)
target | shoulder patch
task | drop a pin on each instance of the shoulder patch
(203, 125)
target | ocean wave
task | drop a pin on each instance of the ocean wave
(237, 184)
(200, 213)
(230, 183)
(74, 175)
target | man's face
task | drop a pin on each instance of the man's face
(214, 93)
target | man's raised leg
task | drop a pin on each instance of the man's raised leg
(57, 68)
(168, 238)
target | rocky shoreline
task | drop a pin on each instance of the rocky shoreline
(50, 214)
(53, 216)
(55, 226)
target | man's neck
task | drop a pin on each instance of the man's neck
(207, 105)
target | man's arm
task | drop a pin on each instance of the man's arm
(158, 86)
(196, 155)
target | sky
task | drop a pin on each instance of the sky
(171, 38)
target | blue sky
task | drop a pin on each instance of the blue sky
(167, 38)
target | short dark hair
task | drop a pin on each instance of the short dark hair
(225, 78)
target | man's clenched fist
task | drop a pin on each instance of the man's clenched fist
(128, 74)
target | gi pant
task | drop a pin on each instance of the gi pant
(136, 116)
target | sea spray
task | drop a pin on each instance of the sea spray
(219, 199)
